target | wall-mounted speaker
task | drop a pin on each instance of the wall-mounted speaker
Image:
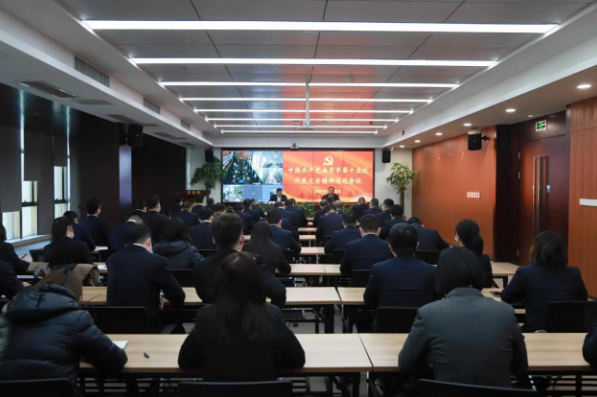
(475, 140)
(209, 156)
(386, 156)
(135, 135)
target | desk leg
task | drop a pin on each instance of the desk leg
(328, 311)
(356, 384)
(578, 385)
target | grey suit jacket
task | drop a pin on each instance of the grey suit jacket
(467, 338)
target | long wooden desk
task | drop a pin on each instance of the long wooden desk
(302, 237)
(313, 251)
(307, 230)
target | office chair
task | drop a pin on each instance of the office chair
(432, 388)
(571, 316)
(359, 278)
(395, 319)
(235, 389)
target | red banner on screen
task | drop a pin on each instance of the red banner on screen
(308, 175)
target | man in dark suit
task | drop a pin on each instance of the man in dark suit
(397, 215)
(373, 207)
(429, 239)
(278, 197)
(248, 209)
(330, 197)
(344, 236)
(328, 223)
(257, 208)
(360, 208)
(404, 280)
(9, 284)
(137, 277)
(187, 216)
(177, 206)
(289, 216)
(385, 215)
(323, 205)
(227, 230)
(298, 211)
(118, 234)
(96, 227)
(246, 218)
(362, 254)
(199, 209)
(154, 220)
(201, 234)
(140, 208)
(283, 238)
(81, 233)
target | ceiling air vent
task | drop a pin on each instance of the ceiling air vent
(91, 71)
(151, 106)
(48, 89)
(92, 102)
(184, 124)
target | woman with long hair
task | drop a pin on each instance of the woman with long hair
(240, 337)
(262, 244)
(468, 236)
(177, 247)
(64, 250)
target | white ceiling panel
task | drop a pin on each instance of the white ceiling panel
(276, 105)
(479, 40)
(182, 69)
(373, 39)
(394, 91)
(293, 78)
(354, 70)
(438, 70)
(402, 77)
(266, 51)
(273, 91)
(156, 37)
(218, 105)
(455, 53)
(345, 78)
(206, 91)
(131, 9)
(184, 76)
(515, 12)
(170, 50)
(303, 10)
(369, 52)
(365, 92)
(419, 95)
(286, 38)
(545, 2)
(394, 11)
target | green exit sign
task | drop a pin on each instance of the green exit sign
(541, 125)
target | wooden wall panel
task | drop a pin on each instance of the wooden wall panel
(446, 171)
(582, 232)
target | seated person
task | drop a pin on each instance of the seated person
(548, 279)
(262, 244)
(177, 247)
(219, 208)
(330, 196)
(386, 215)
(240, 337)
(279, 196)
(138, 277)
(397, 215)
(373, 208)
(287, 215)
(467, 338)
(177, 206)
(246, 218)
(362, 254)
(63, 250)
(298, 211)
(199, 209)
(283, 238)
(323, 205)
(227, 230)
(201, 234)
(140, 208)
(154, 220)
(360, 208)
(9, 283)
(8, 254)
(81, 233)
(117, 239)
(92, 222)
(344, 236)
(404, 280)
(44, 334)
(257, 208)
(328, 223)
(589, 348)
(429, 239)
(248, 209)
(467, 235)
(190, 219)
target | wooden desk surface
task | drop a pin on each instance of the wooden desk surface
(311, 251)
(503, 269)
(546, 352)
(307, 229)
(332, 270)
(352, 295)
(324, 353)
(302, 237)
(310, 219)
(305, 270)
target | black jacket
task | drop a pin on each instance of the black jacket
(261, 359)
(44, 334)
(255, 215)
(372, 211)
(286, 225)
(188, 218)
(589, 349)
(285, 239)
(156, 223)
(300, 215)
(363, 253)
(290, 216)
(117, 236)
(275, 260)
(342, 237)
(274, 197)
(536, 286)
(179, 254)
(246, 218)
(331, 199)
(8, 254)
(75, 252)
(82, 234)
(387, 226)
(359, 210)
(328, 224)
(430, 240)
(485, 261)
(9, 284)
(200, 211)
(176, 208)
(318, 214)
(205, 273)
(201, 236)
(384, 216)
(97, 228)
(136, 279)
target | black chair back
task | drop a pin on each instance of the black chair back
(120, 319)
(37, 387)
(184, 277)
(571, 316)
(338, 255)
(433, 388)
(325, 240)
(206, 252)
(395, 319)
(37, 255)
(359, 278)
(431, 257)
(409, 297)
(235, 389)
(289, 255)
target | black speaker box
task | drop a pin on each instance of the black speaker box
(209, 156)
(135, 136)
(386, 156)
(475, 141)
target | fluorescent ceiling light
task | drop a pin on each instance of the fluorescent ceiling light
(584, 86)
(421, 85)
(267, 119)
(266, 99)
(297, 111)
(307, 61)
(367, 127)
(299, 132)
(284, 84)
(511, 110)
(320, 26)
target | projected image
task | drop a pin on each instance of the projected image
(232, 193)
(252, 167)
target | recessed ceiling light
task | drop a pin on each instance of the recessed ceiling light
(402, 146)
(439, 133)
(308, 61)
(297, 111)
(284, 84)
(287, 119)
(417, 141)
(530, 116)
(366, 127)
(584, 86)
(319, 26)
(266, 99)
(467, 124)
(510, 110)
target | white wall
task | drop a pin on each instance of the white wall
(381, 189)
(195, 159)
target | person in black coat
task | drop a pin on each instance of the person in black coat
(246, 218)
(362, 254)
(468, 235)
(548, 279)
(279, 196)
(397, 214)
(96, 226)
(177, 207)
(404, 280)
(81, 232)
(44, 334)
(360, 208)
(344, 236)
(429, 239)
(154, 220)
(386, 214)
(137, 277)
(283, 238)
(8, 254)
(589, 348)
(288, 215)
(201, 234)
(227, 230)
(300, 214)
(329, 223)
(140, 208)
(63, 250)
(190, 219)
(330, 197)
(240, 337)
(373, 207)
(257, 208)
(199, 209)
(262, 244)
(117, 239)
(9, 284)
(247, 209)
(177, 246)
(323, 207)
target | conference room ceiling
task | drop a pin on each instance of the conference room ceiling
(317, 46)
